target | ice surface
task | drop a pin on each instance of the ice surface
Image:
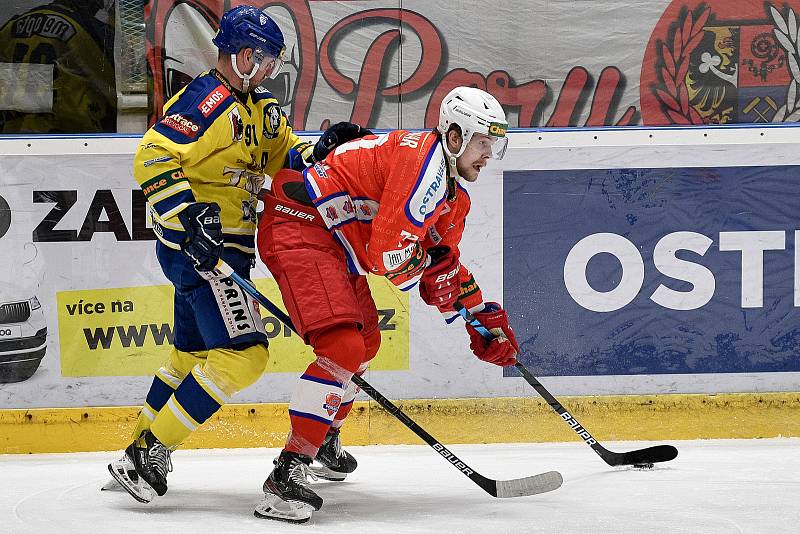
(716, 486)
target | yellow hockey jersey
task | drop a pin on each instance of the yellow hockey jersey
(78, 93)
(211, 147)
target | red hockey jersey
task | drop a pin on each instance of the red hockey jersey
(387, 199)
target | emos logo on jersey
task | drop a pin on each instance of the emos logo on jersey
(332, 403)
(722, 61)
(211, 102)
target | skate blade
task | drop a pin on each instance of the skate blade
(320, 471)
(140, 491)
(273, 507)
(112, 485)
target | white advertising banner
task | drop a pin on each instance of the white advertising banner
(86, 314)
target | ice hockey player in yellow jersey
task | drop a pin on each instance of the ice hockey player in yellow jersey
(200, 167)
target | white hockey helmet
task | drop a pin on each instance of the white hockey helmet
(474, 111)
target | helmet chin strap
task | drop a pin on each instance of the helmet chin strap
(245, 77)
(451, 158)
(451, 161)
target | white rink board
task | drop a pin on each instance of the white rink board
(440, 362)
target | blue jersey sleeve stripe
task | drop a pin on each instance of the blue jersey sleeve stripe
(260, 94)
(238, 239)
(168, 203)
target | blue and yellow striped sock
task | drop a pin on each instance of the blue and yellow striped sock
(163, 386)
(195, 400)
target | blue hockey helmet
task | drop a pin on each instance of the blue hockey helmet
(248, 27)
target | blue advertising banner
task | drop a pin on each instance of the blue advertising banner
(653, 271)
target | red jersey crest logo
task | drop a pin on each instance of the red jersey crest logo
(330, 213)
(332, 403)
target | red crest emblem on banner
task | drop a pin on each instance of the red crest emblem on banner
(717, 62)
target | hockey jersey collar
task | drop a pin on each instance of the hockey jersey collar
(240, 96)
(452, 176)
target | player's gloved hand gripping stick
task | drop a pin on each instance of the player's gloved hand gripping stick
(440, 287)
(518, 487)
(204, 240)
(639, 458)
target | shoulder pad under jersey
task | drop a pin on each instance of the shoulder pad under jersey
(262, 93)
(195, 110)
(272, 111)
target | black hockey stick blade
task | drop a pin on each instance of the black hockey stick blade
(644, 457)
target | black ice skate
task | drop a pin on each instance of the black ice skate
(287, 496)
(332, 462)
(142, 470)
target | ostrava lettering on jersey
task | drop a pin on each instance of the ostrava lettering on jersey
(181, 124)
(212, 101)
(430, 193)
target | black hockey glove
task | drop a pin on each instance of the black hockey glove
(203, 243)
(339, 133)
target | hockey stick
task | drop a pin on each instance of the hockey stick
(518, 487)
(639, 458)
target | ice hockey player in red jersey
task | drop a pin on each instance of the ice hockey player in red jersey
(392, 205)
